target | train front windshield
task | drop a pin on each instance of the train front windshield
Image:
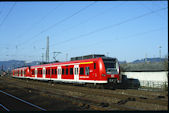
(111, 65)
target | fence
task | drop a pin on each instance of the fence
(155, 81)
(153, 85)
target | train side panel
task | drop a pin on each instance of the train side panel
(86, 71)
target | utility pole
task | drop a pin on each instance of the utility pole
(42, 54)
(107, 54)
(42, 57)
(66, 56)
(47, 50)
(54, 55)
(160, 52)
(2, 68)
(145, 58)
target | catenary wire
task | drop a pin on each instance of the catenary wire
(30, 28)
(121, 38)
(88, 19)
(8, 14)
(108, 27)
(61, 21)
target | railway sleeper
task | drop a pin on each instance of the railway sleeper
(160, 97)
(126, 100)
(103, 104)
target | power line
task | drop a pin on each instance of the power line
(110, 26)
(40, 20)
(150, 9)
(8, 14)
(61, 21)
(126, 37)
(88, 19)
(1, 8)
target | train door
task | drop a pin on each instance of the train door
(59, 72)
(50, 72)
(23, 73)
(44, 72)
(35, 72)
(76, 72)
(19, 72)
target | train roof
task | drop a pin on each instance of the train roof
(66, 62)
(87, 57)
(74, 61)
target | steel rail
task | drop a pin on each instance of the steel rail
(23, 101)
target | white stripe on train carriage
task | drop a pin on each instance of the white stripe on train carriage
(55, 65)
(84, 81)
(23, 101)
(4, 107)
(68, 80)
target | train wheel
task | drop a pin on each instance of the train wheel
(99, 86)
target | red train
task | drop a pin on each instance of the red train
(100, 70)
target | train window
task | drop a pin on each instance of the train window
(55, 71)
(94, 65)
(81, 71)
(71, 71)
(58, 71)
(40, 72)
(48, 71)
(75, 71)
(33, 72)
(66, 71)
(62, 71)
(86, 70)
(44, 70)
(78, 70)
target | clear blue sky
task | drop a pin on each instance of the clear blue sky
(126, 30)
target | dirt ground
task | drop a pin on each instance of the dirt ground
(60, 97)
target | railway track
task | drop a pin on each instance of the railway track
(112, 94)
(81, 101)
(86, 97)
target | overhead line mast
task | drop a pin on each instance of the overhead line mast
(47, 50)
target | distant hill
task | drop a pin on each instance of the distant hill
(149, 60)
(8, 65)
(122, 62)
(152, 64)
(149, 64)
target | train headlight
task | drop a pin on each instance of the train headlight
(103, 75)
